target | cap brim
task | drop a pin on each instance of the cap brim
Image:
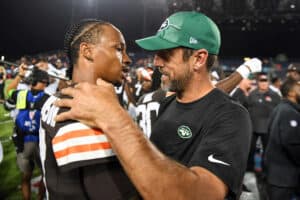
(154, 43)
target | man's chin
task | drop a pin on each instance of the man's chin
(117, 83)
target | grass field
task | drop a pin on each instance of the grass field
(10, 176)
(9, 173)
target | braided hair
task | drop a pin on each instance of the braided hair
(87, 30)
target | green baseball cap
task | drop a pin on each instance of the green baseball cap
(188, 29)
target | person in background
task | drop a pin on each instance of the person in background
(27, 123)
(261, 102)
(275, 85)
(43, 64)
(293, 71)
(2, 83)
(241, 92)
(282, 156)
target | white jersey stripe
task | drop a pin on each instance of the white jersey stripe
(79, 141)
(84, 156)
(76, 126)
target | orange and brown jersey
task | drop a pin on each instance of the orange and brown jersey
(78, 161)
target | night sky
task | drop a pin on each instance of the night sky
(34, 26)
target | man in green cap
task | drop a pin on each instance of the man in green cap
(200, 142)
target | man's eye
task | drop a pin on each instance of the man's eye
(119, 48)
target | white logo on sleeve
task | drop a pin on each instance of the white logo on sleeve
(213, 160)
(293, 123)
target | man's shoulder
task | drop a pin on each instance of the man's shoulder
(286, 107)
(157, 96)
(254, 92)
(226, 104)
(74, 144)
(48, 113)
(221, 98)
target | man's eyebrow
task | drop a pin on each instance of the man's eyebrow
(122, 44)
(119, 43)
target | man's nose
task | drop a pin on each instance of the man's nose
(157, 61)
(126, 59)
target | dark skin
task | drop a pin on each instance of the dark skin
(229, 83)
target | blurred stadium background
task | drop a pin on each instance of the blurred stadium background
(268, 29)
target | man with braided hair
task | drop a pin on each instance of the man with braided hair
(78, 161)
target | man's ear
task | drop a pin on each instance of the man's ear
(86, 51)
(200, 57)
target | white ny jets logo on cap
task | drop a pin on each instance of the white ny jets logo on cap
(164, 25)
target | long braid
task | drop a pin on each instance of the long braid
(86, 30)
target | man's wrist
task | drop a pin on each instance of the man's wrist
(20, 76)
(244, 70)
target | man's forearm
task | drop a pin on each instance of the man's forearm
(229, 83)
(14, 84)
(155, 175)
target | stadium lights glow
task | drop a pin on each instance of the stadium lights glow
(90, 3)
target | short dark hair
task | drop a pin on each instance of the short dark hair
(287, 86)
(275, 79)
(259, 74)
(211, 59)
(86, 30)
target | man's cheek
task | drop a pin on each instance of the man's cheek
(120, 57)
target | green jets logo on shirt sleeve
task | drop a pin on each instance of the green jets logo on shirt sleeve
(184, 132)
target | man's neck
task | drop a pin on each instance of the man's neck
(262, 91)
(195, 90)
(83, 74)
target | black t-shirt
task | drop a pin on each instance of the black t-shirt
(78, 161)
(240, 97)
(213, 132)
(282, 155)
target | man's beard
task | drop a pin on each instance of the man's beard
(179, 85)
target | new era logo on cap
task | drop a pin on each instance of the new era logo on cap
(193, 40)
